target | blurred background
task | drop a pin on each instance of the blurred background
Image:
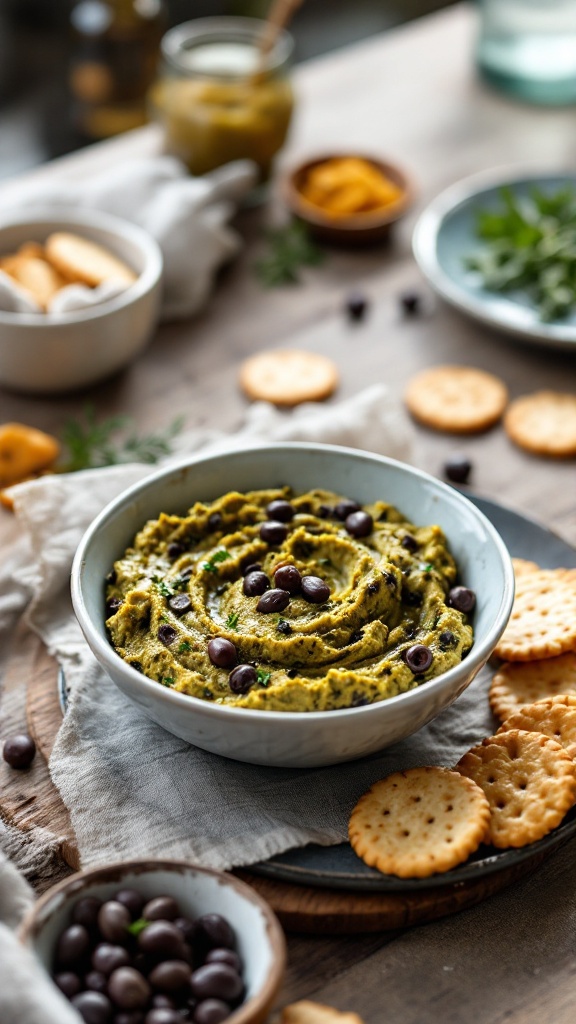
(40, 41)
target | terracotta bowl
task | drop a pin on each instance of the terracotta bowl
(359, 228)
(260, 940)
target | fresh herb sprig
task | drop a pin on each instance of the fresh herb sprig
(289, 249)
(91, 443)
(232, 620)
(219, 556)
(531, 248)
(263, 677)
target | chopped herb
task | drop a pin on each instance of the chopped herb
(232, 620)
(164, 618)
(178, 583)
(92, 444)
(426, 566)
(219, 556)
(162, 587)
(184, 646)
(262, 677)
(325, 561)
(530, 247)
(290, 248)
(167, 680)
(137, 926)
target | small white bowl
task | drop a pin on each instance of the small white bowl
(260, 939)
(297, 739)
(47, 353)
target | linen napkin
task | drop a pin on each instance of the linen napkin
(27, 996)
(134, 789)
(187, 216)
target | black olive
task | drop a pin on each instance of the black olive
(359, 524)
(273, 532)
(345, 508)
(255, 583)
(418, 658)
(273, 601)
(242, 678)
(462, 599)
(315, 590)
(222, 652)
(280, 510)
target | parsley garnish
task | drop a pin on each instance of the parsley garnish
(137, 926)
(290, 248)
(530, 247)
(219, 556)
(93, 443)
(232, 620)
(263, 677)
(427, 567)
(162, 587)
(167, 680)
(178, 583)
(184, 646)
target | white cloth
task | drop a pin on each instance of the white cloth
(187, 216)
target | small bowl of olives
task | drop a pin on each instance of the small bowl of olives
(159, 942)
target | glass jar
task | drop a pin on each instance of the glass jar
(114, 60)
(528, 48)
(217, 99)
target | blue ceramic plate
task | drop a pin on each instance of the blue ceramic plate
(338, 867)
(446, 233)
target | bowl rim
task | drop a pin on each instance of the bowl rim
(109, 657)
(30, 927)
(67, 217)
(357, 222)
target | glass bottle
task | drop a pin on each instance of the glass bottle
(115, 50)
(528, 48)
(217, 99)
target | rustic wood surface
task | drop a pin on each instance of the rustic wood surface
(300, 908)
(411, 95)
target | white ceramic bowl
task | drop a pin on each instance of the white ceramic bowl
(46, 354)
(290, 739)
(260, 940)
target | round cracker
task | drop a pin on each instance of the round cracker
(543, 423)
(554, 719)
(288, 377)
(517, 684)
(521, 566)
(419, 822)
(79, 259)
(543, 619)
(530, 783)
(456, 399)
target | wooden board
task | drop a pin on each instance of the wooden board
(30, 799)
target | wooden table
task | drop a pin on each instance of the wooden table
(411, 94)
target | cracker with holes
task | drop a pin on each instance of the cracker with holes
(456, 399)
(288, 377)
(544, 423)
(419, 822)
(556, 720)
(543, 619)
(522, 566)
(517, 684)
(307, 1012)
(530, 783)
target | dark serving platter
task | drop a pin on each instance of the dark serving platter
(338, 867)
